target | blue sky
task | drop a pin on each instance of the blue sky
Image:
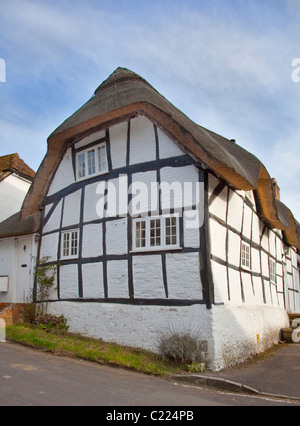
(225, 63)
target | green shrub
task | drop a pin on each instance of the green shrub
(49, 322)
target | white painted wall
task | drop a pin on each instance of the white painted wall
(137, 326)
(250, 307)
(242, 330)
(12, 193)
(17, 262)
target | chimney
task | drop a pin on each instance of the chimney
(276, 189)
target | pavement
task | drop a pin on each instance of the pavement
(275, 373)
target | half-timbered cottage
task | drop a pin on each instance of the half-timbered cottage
(155, 223)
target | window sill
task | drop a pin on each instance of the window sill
(154, 249)
(92, 176)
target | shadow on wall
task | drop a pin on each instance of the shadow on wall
(243, 331)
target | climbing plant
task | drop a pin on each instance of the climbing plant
(45, 274)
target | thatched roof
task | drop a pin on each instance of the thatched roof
(124, 94)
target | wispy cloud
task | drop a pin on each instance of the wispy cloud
(227, 65)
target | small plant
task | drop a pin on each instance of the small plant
(49, 322)
(180, 347)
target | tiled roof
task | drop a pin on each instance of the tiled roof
(13, 163)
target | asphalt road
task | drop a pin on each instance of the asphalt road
(33, 378)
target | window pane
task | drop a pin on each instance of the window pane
(74, 243)
(81, 165)
(171, 231)
(91, 162)
(155, 232)
(140, 237)
(102, 158)
(66, 241)
(245, 255)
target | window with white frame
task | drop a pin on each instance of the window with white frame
(91, 161)
(245, 255)
(272, 271)
(156, 233)
(69, 245)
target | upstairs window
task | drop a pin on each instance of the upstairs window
(272, 271)
(69, 248)
(158, 233)
(91, 161)
(245, 255)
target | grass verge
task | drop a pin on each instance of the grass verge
(68, 344)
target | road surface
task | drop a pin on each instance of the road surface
(32, 378)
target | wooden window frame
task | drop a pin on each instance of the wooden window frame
(156, 233)
(91, 161)
(70, 244)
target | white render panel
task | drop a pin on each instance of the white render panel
(90, 139)
(92, 274)
(274, 295)
(92, 243)
(218, 239)
(179, 186)
(267, 292)
(118, 144)
(69, 281)
(265, 240)
(281, 300)
(258, 290)
(91, 198)
(279, 283)
(144, 190)
(265, 264)
(71, 213)
(272, 237)
(142, 141)
(191, 231)
(117, 278)
(218, 207)
(234, 249)
(49, 246)
(247, 222)
(116, 237)
(147, 277)
(54, 220)
(117, 196)
(247, 288)
(219, 273)
(168, 148)
(255, 229)
(64, 175)
(235, 211)
(235, 286)
(255, 260)
(183, 276)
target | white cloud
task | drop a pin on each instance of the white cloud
(225, 70)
